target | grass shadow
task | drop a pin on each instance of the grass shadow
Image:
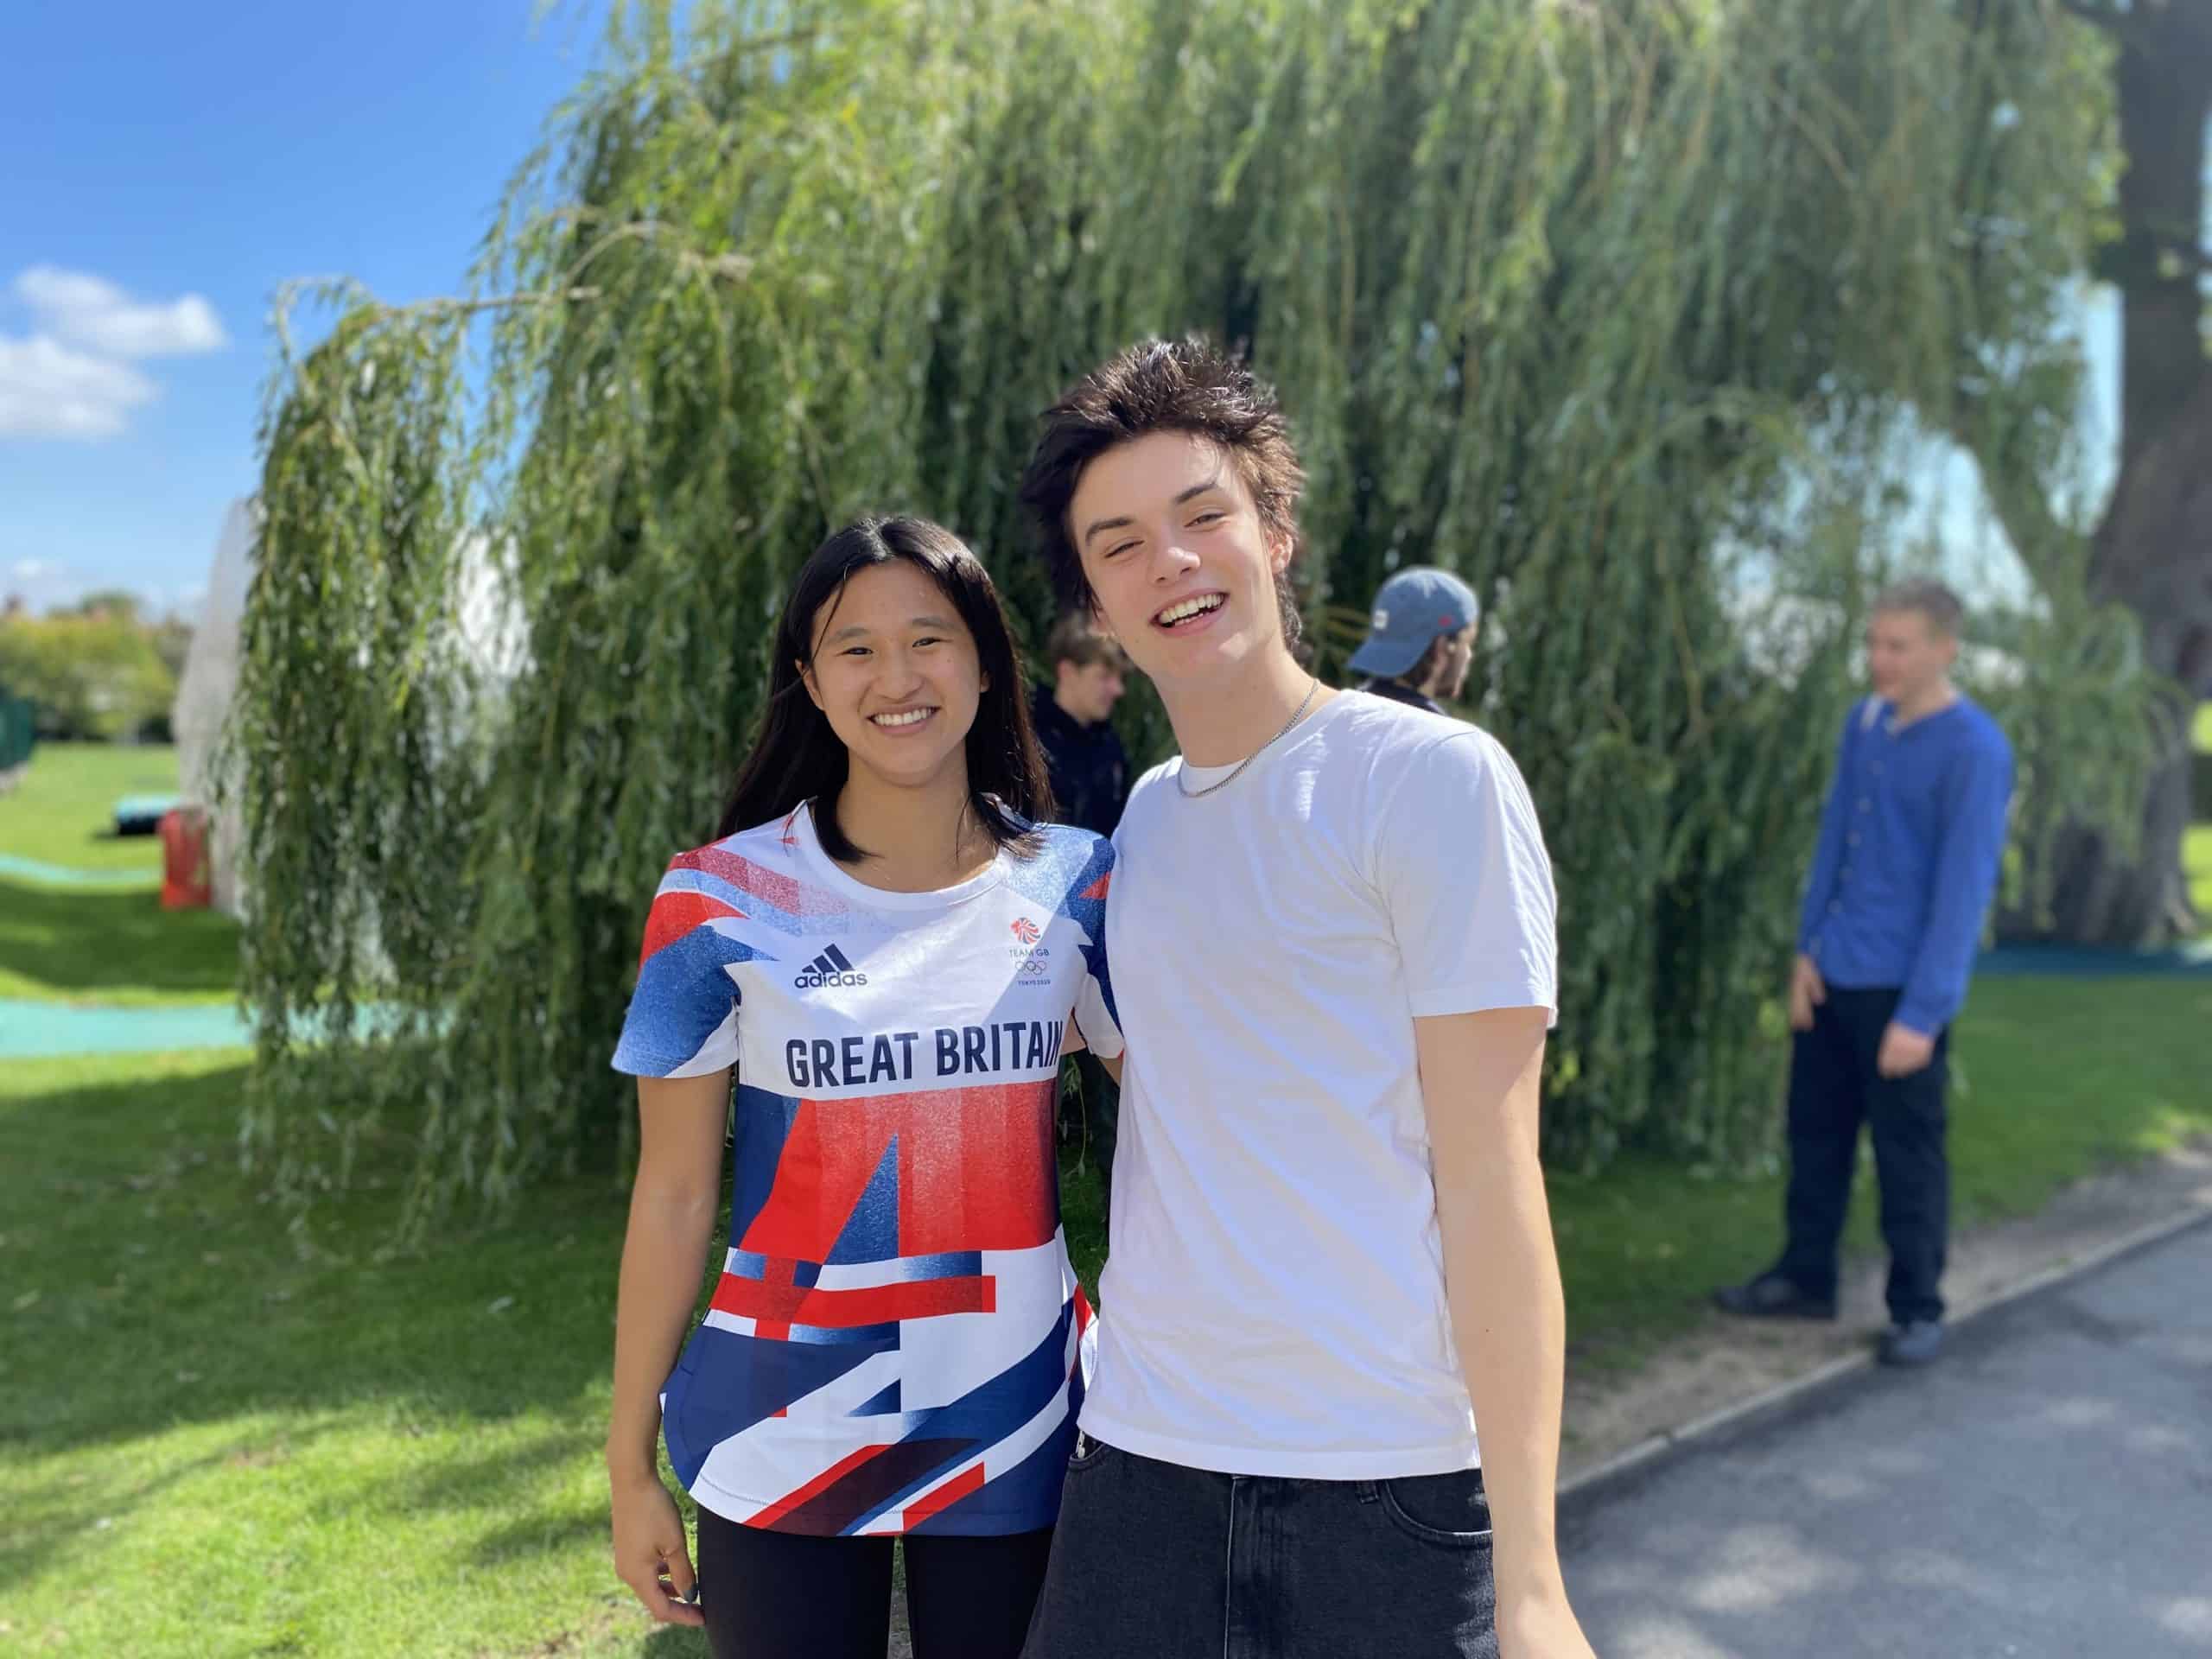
(111, 947)
(539, 1534)
(124, 1194)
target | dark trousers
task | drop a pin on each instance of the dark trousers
(1154, 1560)
(783, 1595)
(1833, 1088)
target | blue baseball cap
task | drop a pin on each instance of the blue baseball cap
(1411, 609)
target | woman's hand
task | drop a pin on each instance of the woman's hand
(650, 1553)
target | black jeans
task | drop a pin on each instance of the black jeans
(1154, 1560)
(783, 1595)
(1834, 1087)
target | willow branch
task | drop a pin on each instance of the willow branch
(2111, 19)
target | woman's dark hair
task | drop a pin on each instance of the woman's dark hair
(798, 757)
(1158, 385)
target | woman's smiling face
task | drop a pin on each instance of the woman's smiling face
(896, 674)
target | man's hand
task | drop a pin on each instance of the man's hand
(1807, 990)
(649, 1550)
(1540, 1627)
(1905, 1051)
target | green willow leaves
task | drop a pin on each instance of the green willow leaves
(1626, 310)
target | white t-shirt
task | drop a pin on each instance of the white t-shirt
(1275, 1302)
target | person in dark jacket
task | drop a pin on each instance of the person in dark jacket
(1420, 638)
(1074, 719)
(1089, 773)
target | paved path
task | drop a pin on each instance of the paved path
(2045, 1491)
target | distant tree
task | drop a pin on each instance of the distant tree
(119, 602)
(96, 677)
(1595, 303)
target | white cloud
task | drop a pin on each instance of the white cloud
(72, 378)
(32, 569)
(47, 391)
(91, 312)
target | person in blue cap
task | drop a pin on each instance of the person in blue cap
(1420, 638)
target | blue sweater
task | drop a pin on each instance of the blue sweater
(1910, 842)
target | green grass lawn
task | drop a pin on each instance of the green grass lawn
(63, 811)
(116, 947)
(217, 1445)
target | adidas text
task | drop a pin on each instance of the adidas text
(832, 966)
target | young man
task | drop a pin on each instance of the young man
(1332, 1257)
(1420, 638)
(1090, 774)
(1907, 863)
(1075, 725)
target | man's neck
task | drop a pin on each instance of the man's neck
(1060, 702)
(1932, 700)
(923, 835)
(1220, 721)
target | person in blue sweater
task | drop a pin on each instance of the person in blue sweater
(1910, 840)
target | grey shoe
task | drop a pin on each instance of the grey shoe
(1913, 1344)
(1772, 1296)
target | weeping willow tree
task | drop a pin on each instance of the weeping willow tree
(1626, 311)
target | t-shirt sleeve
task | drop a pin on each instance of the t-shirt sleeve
(1091, 907)
(1461, 865)
(683, 1018)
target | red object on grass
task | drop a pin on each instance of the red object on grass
(186, 883)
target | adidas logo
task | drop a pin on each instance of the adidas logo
(830, 967)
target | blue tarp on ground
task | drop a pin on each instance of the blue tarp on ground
(56, 876)
(43, 1031)
(2093, 962)
(34, 1030)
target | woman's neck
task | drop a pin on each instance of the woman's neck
(921, 837)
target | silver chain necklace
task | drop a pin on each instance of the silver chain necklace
(1189, 794)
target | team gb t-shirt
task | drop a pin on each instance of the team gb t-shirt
(894, 1340)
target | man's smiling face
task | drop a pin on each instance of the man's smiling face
(1182, 569)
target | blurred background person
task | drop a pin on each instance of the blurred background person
(1420, 638)
(1089, 773)
(1906, 865)
(1074, 717)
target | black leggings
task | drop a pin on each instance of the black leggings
(782, 1595)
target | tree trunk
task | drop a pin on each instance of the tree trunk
(2153, 550)
(2154, 554)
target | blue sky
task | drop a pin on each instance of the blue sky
(168, 166)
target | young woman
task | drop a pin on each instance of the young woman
(891, 956)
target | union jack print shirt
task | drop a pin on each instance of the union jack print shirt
(896, 1337)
